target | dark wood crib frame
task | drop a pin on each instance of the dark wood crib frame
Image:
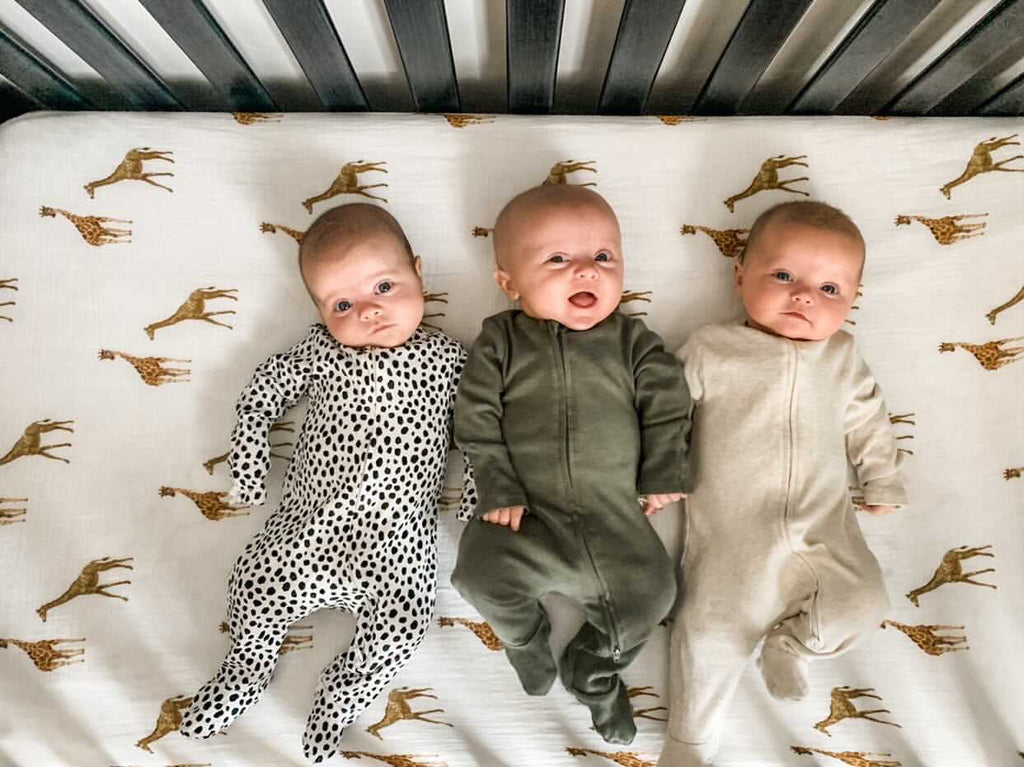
(955, 83)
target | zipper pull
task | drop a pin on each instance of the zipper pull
(616, 653)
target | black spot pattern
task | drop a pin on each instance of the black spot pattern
(357, 525)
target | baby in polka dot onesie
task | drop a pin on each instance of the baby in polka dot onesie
(357, 526)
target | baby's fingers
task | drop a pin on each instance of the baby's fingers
(515, 518)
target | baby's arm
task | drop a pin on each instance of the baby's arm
(871, 445)
(478, 411)
(663, 405)
(276, 385)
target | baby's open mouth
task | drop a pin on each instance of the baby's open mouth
(584, 299)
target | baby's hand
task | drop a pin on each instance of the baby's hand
(878, 511)
(509, 517)
(654, 503)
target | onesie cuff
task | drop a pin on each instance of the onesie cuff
(885, 491)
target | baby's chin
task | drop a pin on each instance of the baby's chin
(387, 338)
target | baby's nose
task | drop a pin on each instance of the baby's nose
(371, 312)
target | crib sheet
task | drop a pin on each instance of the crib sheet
(124, 239)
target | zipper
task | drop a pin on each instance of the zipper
(566, 426)
(612, 620)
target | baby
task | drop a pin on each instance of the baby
(773, 549)
(357, 525)
(568, 410)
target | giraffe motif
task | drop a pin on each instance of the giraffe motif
(625, 758)
(395, 760)
(950, 571)
(730, 242)
(398, 709)
(439, 298)
(194, 308)
(852, 758)
(291, 643)
(211, 504)
(904, 418)
(768, 178)
(88, 582)
(645, 713)
(167, 722)
(149, 368)
(560, 170)
(677, 119)
(981, 162)
(252, 118)
(30, 442)
(482, 231)
(295, 234)
(948, 229)
(629, 296)
(12, 516)
(347, 182)
(1013, 473)
(461, 121)
(131, 169)
(482, 630)
(991, 315)
(925, 637)
(92, 228)
(8, 284)
(991, 355)
(842, 707)
(450, 499)
(288, 426)
(45, 654)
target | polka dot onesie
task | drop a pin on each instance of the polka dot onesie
(357, 525)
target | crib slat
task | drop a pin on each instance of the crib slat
(644, 33)
(1007, 103)
(13, 102)
(34, 77)
(885, 25)
(199, 35)
(762, 30)
(132, 82)
(307, 28)
(533, 35)
(945, 87)
(421, 31)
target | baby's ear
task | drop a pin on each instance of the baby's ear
(504, 281)
(417, 264)
(737, 276)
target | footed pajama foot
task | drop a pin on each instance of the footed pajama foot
(784, 672)
(533, 662)
(613, 719)
(216, 706)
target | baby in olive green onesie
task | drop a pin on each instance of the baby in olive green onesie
(568, 411)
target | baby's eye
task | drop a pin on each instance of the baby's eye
(783, 276)
(342, 306)
(830, 289)
(603, 257)
(556, 259)
(384, 287)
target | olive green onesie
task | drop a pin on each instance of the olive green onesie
(573, 425)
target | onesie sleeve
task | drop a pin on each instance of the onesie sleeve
(478, 411)
(663, 404)
(276, 385)
(870, 444)
(467, 499)
(689, 356)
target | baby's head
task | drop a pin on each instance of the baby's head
(799, 272)
(559, 253)
(362, 275)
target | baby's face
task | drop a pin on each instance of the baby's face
(798, 281)
(563, 262)
(367, 291)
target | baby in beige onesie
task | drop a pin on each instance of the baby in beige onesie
(783, 403)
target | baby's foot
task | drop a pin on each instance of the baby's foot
(533, 662)
(614, 722)
(784, 672)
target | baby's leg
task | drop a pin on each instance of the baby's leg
(388, 631)
(256, 634)
(632, 601)
(502, 574)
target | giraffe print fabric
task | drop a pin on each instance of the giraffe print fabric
(136, 306)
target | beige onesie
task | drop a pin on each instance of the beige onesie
(773, 548)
